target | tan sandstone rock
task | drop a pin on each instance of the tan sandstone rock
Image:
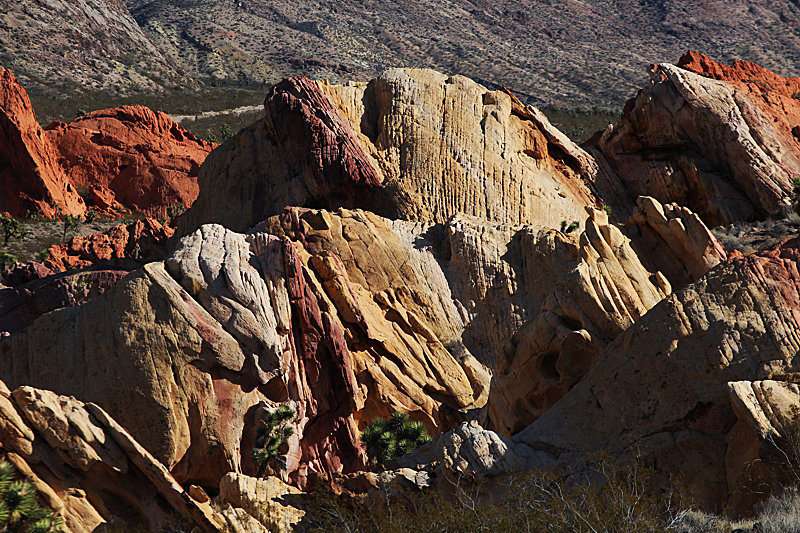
(268, 500)
(412, 144)
(704, 144)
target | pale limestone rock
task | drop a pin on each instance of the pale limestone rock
(268, 500)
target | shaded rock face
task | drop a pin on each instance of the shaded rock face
(31, 178)
(342, 323)
(88, 469)
(597, 289)
(133, 156)
(21, 305)
(662, 385)
(126, 246)
(724, 149)
(411, 144)
(673, 239)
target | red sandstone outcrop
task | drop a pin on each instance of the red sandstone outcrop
(412, 144)
(724, 149)
(131, 156)
(123, 245)
(31, 180)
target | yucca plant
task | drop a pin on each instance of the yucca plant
(270, 436)
(19, 509)
(388, 439)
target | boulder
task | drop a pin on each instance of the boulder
(724, 149)
(124, 246)
(268, 500)
(130, 156)
(32, 180)
(412, 144)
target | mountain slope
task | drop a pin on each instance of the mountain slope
(566, 53)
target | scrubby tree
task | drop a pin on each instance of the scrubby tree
(271, 435)
(70, 222)
(392, 438)
(12, 228)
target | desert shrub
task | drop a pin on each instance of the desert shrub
(271, 435)
(6, 258)
(393, 438)
(19, 509)
(70, 222)
(533, 502)
(175, 210)
(796, 95)
(12, 228)
(608, 209)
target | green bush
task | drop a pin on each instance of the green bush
(12, 228)
(19, 509)
(270, 436)
(393, 438)
(70, 222)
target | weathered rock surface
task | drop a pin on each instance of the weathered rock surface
(87, 468)
(32, 181)
(344, 323)
(597, 288)
(21, 305)
(268, 500)
(673, 239)
(724, 149)
(125, 246)
(131, 156)
(411, 144)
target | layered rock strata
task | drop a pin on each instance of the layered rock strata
(412, 144)
(343, 322)
(661, 389)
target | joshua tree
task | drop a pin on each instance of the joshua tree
(70, 222)
(274, 433)
(392, 438)
(12, 228)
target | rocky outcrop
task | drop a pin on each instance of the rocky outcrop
(124, 246)
(724, 149)
(412, 144)
(130, 157)
(334, 315)
(597, 289)
(32, 181)
(673, 239)
(268, 500)
(21, 305)
(88, 469)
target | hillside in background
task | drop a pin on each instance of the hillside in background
(568, 54)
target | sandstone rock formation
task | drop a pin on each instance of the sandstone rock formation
(661, 388)
(411, 144)
(31, 178)
(673, 239)
(125, 246)
(21, 305)
(595, 295)
(343, 322)
(130, 156)
(87, 468)
(724, 149)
